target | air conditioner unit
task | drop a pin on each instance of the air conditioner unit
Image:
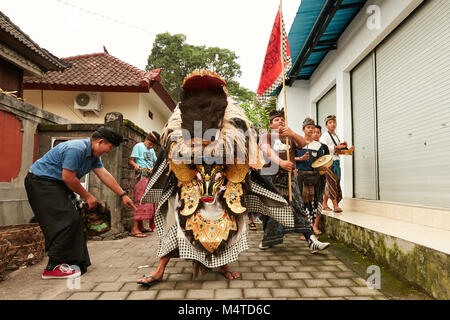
(88, 101)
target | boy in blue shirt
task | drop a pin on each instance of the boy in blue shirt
(143, 158)
(50, 187)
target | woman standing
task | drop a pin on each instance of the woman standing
(143, 158)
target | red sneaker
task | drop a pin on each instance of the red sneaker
(61, 271)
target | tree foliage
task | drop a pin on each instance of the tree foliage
(178, 58)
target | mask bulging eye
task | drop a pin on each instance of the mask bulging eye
(218, 176)
(199, 177)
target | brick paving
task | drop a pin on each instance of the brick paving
(287, 271)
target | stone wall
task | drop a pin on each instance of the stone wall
(116, 162)
(419, 265)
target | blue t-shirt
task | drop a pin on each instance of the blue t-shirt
(315, 152)
(143, 156)
(74, 155)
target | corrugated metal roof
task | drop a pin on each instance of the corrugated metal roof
(308, 43)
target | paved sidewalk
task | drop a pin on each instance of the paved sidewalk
(287, 271)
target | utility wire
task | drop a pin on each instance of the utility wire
(106, 17)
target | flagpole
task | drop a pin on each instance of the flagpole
(284, 93)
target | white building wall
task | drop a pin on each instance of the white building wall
(354, 44)
(298, 106)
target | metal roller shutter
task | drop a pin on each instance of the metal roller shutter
(364, 135)
(413, 105)
(326, 106)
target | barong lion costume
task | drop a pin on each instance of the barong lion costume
(205, 182)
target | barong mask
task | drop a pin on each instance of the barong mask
(205, 182)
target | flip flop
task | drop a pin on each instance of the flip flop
(146, 230)
(338, 210)
(224, 272)
(327, 208)
(318, 232)
(137, 235)
(149, 283)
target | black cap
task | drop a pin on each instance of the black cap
(110, 135)
(154, 137)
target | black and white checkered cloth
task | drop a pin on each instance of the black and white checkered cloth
(258, 200)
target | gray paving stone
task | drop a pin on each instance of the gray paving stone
(323, 275)
(300, 275)
(108, 286)
(257, 293)
(252, 276)
(267, 284)
(285, 293)
(113, 296)
(285, 269)
(84, 296)
(130, 286)
(359, 298)
(312, 292)
(339, 292)
(346, 274)
(262, 269)
(215, 284)
(276, 276)
(364, 291)
(291, 263)
(342, 282)
(181, 285)
(236, 284)
(270, 263)
(142, 295)
(200, 294)
(179, 277)
(317, 283)
(292, 283)
(304, 268)
(328, 268)
(171, 294)
(225, 294)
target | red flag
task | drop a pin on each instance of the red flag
(271, 75)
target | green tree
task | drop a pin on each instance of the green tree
(258, 113)
(178, 59)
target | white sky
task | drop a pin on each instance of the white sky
(242, 26)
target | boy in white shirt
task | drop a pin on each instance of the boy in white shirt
(333, 189)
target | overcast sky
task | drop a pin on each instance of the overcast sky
(128, 28)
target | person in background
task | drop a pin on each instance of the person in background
(275, 150)
(50, 186)
(143, 158)
(308, 178)
(317, 133)
(333, 176)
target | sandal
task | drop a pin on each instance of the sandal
(146, 230)
(149, 283)
(137, 235)
(225, 272)
(327, 208)
(252, 226)
(337, 210)
(317, 231)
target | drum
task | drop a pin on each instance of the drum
(346, 152)
(323, 163)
